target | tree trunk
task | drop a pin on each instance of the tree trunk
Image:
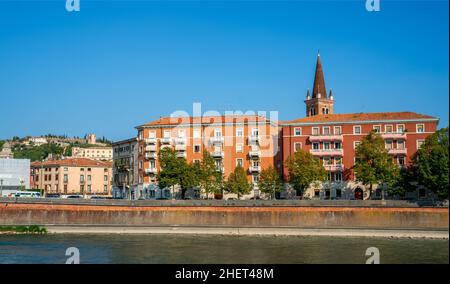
(370, 192)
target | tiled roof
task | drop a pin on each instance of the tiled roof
(73, 162)
(319, 81)
(207, 120)
(348, 117)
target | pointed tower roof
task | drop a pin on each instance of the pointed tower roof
(319, 81)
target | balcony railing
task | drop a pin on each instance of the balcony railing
(394, 135)
(151, 155)
(165, 146)
(327, 152)
(220, 169)
(216, 139)
(180, 147)
(255, 169)
(180, 141)
(253, 139)
(397, 151)
(151, 171)
(166, 140)
(150, 140)
(218, 154)
(181, 154)
(254, 154)
(325, 137)
(334, 168)
(150, 148)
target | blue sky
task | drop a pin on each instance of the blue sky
(118, 64)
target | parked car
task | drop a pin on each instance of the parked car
(27, 194)
(73, 196)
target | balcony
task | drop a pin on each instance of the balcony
(219, 154)
(151, 155)
(181, 155)
(255, 169)
(254, 154)
(253, 139)
(150, 148)
(151, 171)
(326, 152)
(166, 140)
(180, 147)
(216, 140)
(325, 137)
(394, 135)
(150, 140)
(398, 151)
(180, 141)
(334, 168)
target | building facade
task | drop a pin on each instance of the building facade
(125, 170)
(246, 140)
(73, 176)
(256, 142)
(6, 152)
(14, 174)
(93, 153)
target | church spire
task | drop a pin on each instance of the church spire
(319, 90)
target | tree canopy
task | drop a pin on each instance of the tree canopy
(270, 181)
(373, 164)
(237, 182)
(304, 169)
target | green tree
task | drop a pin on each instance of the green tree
(171, 169)
(404, 183)
(373, 164)
(304, 169)
(237, 182)
(270, 181)
(430, 163)
(210, 178)
(189, 176)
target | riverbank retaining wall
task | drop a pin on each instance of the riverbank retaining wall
(226, 216)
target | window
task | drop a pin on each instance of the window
(326, 161)
(315, 131)
(400, 144)
(81, 178)
(66, 169)
(255, 132)
(401, 161)
(388, 144)
(239, 148)
(326, 146)
(197, 148)
(338, 161)
(326, 130)
(338, 191)
(197, 133)
(400, 128)
(240, 162)
(153, 164)
(105, 178)
(89, 188)
(338, 177)
(255, 178)
(420, 128)
(239, 132)
(89, 177)
(217, 132)
(297, 146)
(337, 145)
(181, 133)
(377, 128)
(357, 129)
(105, 188)
(152, 134)
(297, 131)
(140, 165)
(166, 134)
(355, 144)
(388, 128)
(316, 192)
(316, 146)
(82, 169)
(419, 143)
(337, 130)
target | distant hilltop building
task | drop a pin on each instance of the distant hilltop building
(91, 139)
(101, 153)
(243, 140)
(6, 152)
(38, 141)
(72, 176)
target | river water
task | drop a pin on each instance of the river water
(195, 249)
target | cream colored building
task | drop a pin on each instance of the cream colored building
(94, 153)
(72, 176)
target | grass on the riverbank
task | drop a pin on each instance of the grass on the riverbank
(33, 229)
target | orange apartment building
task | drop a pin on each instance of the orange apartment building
(256, 142)
(72, 176)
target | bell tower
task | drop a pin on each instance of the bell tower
(318, 103)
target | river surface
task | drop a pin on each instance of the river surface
(195, 249)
